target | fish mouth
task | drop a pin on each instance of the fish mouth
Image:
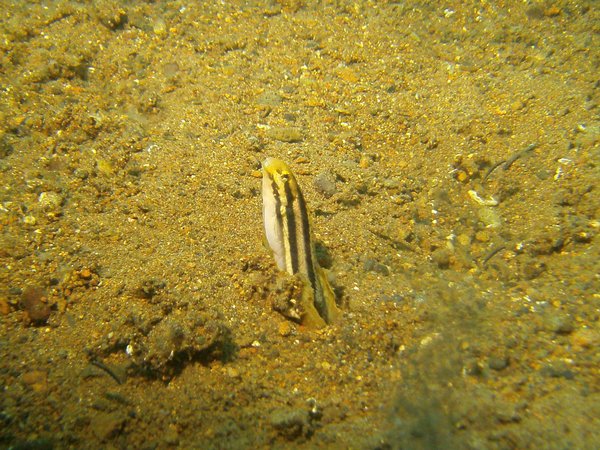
(274, 164)
(267, 162)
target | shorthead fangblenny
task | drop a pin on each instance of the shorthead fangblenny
(288, 231)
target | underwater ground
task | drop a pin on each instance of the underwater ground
(448, 152)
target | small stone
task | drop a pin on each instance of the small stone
(29, 220)
(4, 307)
(482, 236)
(105, 167)
(269, 98)
(559, 323)
(552, 11)
(232, 372)
(35, 303)
(464, 239)
(532, 269)
(171, 435)
(489, 217)
(441, 257)
(364, 162)
(284, 328)
(586, 338)
(372, 265)
(36, 380)
(557, 369)
(106, 426)
(496, 363)
(325, 184)
(507, 413)
(86, 274)
(347, 74)
(50, 201)
(285, 134)
(517, 105)
(462, 176)
(159, 27)
(289, 423)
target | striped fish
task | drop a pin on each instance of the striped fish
(287, 227)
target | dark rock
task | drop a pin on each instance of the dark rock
(558, 369)
(110, 14)
(372, 265)
(107, 426)
(496, 363)
(181, 336)
(441, 257)
(533, 269)
(559, 323)
(149, 288)
(36, 444)
(349, 197)
(290, 423)
(6, 147)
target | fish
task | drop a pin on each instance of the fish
(289, 235)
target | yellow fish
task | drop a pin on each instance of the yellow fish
(288, 231)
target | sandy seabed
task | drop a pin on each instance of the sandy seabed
(448, 153)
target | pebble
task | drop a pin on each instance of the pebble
(482, 236)
(171, 435)
(29, 220)
(557, 369)
(364, 162)
(233, 372)
(559, 323)
(159, 27)
(106, 426)
(4, 307)
(285, 134)
(325, 184)
(586, 338)
(497, 363)
(464, 239)
(86, 274)
(289, 423)
(105, 167)
(50, 201)
(269, 98)
(490, 201)
(36, 380)
(372, 265)
(532, 269)
(506, 413)
(489, 217)
(35, 303)
(441, 257)
(347, 74)
(284, 328)
(462, 176)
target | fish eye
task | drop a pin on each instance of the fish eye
(285, 177)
